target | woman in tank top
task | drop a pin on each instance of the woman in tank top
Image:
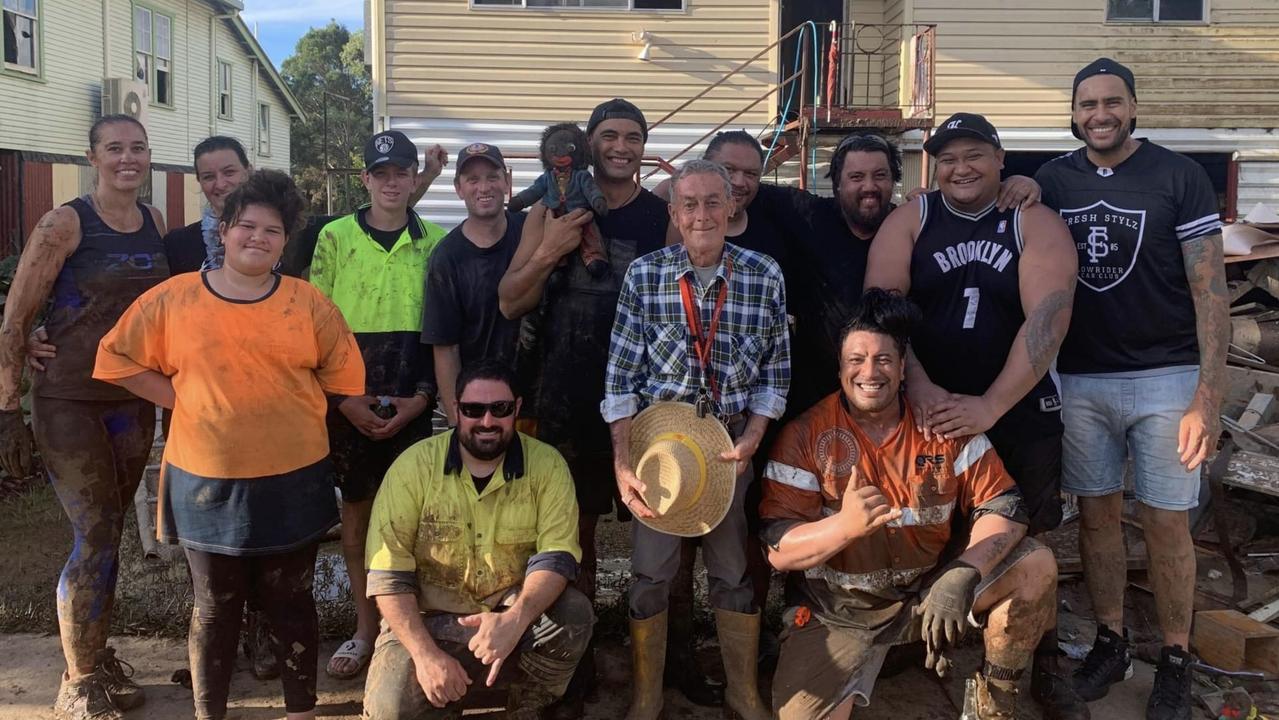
(92, 257)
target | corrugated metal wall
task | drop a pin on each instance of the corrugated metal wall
(37, 194)
(1258, 182)
(10, 202)
(441, 204)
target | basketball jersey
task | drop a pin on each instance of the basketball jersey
(964, 277)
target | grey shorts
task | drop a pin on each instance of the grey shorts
(821, 665)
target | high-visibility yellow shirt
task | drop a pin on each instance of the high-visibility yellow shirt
(463, 548)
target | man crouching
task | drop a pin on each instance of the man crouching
(471, 547)
(861, 502)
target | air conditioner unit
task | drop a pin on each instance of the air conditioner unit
(125, 96)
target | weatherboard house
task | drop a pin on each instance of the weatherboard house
(186, 68)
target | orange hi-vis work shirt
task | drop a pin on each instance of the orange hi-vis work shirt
(809, 471)
(250, 377)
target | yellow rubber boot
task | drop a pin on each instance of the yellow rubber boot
(648, 659)
(739, 648)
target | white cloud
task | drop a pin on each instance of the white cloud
(314, 12)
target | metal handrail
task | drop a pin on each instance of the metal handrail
(705, 91)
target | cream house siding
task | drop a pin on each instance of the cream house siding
(446, 60)
(247, 93)
(1014, 59)
(67, 96)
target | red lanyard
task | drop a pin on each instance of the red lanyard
(703, 343)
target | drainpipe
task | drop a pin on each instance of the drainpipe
(213, 69)
(106, 39)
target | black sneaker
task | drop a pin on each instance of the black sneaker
(1054, 692)
(1107, 663)
(1170, 697)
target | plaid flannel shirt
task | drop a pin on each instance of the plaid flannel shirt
(651, 353)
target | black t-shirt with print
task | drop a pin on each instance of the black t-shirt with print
(1133, 305)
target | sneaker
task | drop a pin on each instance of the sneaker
(1107, 663)
(84, 699)
(117, 679)
(1170, 697)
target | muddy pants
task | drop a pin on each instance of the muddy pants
(95, 453)
(547, 655)
(281, 584)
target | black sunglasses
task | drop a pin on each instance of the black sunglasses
(475, 410)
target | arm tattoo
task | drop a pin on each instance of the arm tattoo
(998, 546)
(1042, 340)
(1206, 274)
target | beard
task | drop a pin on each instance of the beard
(487, 447)
(866, 219)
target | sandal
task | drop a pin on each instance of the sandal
(353, 649)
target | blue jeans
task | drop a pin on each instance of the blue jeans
(1111, 419)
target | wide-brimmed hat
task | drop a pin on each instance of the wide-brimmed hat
(676, 455)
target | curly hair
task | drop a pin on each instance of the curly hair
(581, 156)
(270, 188)
(886, 312)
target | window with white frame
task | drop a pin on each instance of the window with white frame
(1157, 10)
(21, 39)
(639, 5)
(224, 90)
(264, 129)
(153, 49)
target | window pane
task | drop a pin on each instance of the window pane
(658, 4)
(1181, 10)
(10, 39)
(577, 3)
(10, 4)
(142, 71)
(142, 29)
(162, 89)
(162, 36)
(499, 3)
(24, 42)
(1130, 9)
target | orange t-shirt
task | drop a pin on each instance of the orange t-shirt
(808, 473)
(250, 377)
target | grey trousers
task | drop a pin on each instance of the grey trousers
(655, 561)
(547, 656)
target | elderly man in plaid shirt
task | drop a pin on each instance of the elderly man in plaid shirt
(703, 322)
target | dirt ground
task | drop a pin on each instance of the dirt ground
(154, 607)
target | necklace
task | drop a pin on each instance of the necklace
(629, 198)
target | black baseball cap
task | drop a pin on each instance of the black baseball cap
(962, 125)
(1102, 66)
(481, 150)
(617, 109)
(391, 146)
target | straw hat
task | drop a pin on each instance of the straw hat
(676, 455)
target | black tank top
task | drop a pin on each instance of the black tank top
(963, 275)
(105, 274)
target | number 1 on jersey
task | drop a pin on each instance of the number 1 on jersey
(970, 314)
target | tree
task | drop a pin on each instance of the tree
(327, 74)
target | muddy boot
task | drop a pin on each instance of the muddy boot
(648, 656)
(257, 647)
(526, 701)
(117, 680)
(84, 699)
(739, 648)
(1053, 691)
(995, 699)
(573, 705)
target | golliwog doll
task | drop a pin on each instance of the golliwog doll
(567, 185)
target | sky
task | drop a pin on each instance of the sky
(279, 24)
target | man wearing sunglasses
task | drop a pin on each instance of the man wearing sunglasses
(701, 322)
(471, 549)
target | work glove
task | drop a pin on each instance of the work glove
(944, 611)
(15, 444)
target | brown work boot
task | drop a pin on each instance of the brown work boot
(995, 699)
(648, 658)
(84, 699)
(739, 648)
(117, 680)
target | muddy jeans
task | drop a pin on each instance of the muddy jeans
(95, 453)
(547, 655)
(281, 585)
